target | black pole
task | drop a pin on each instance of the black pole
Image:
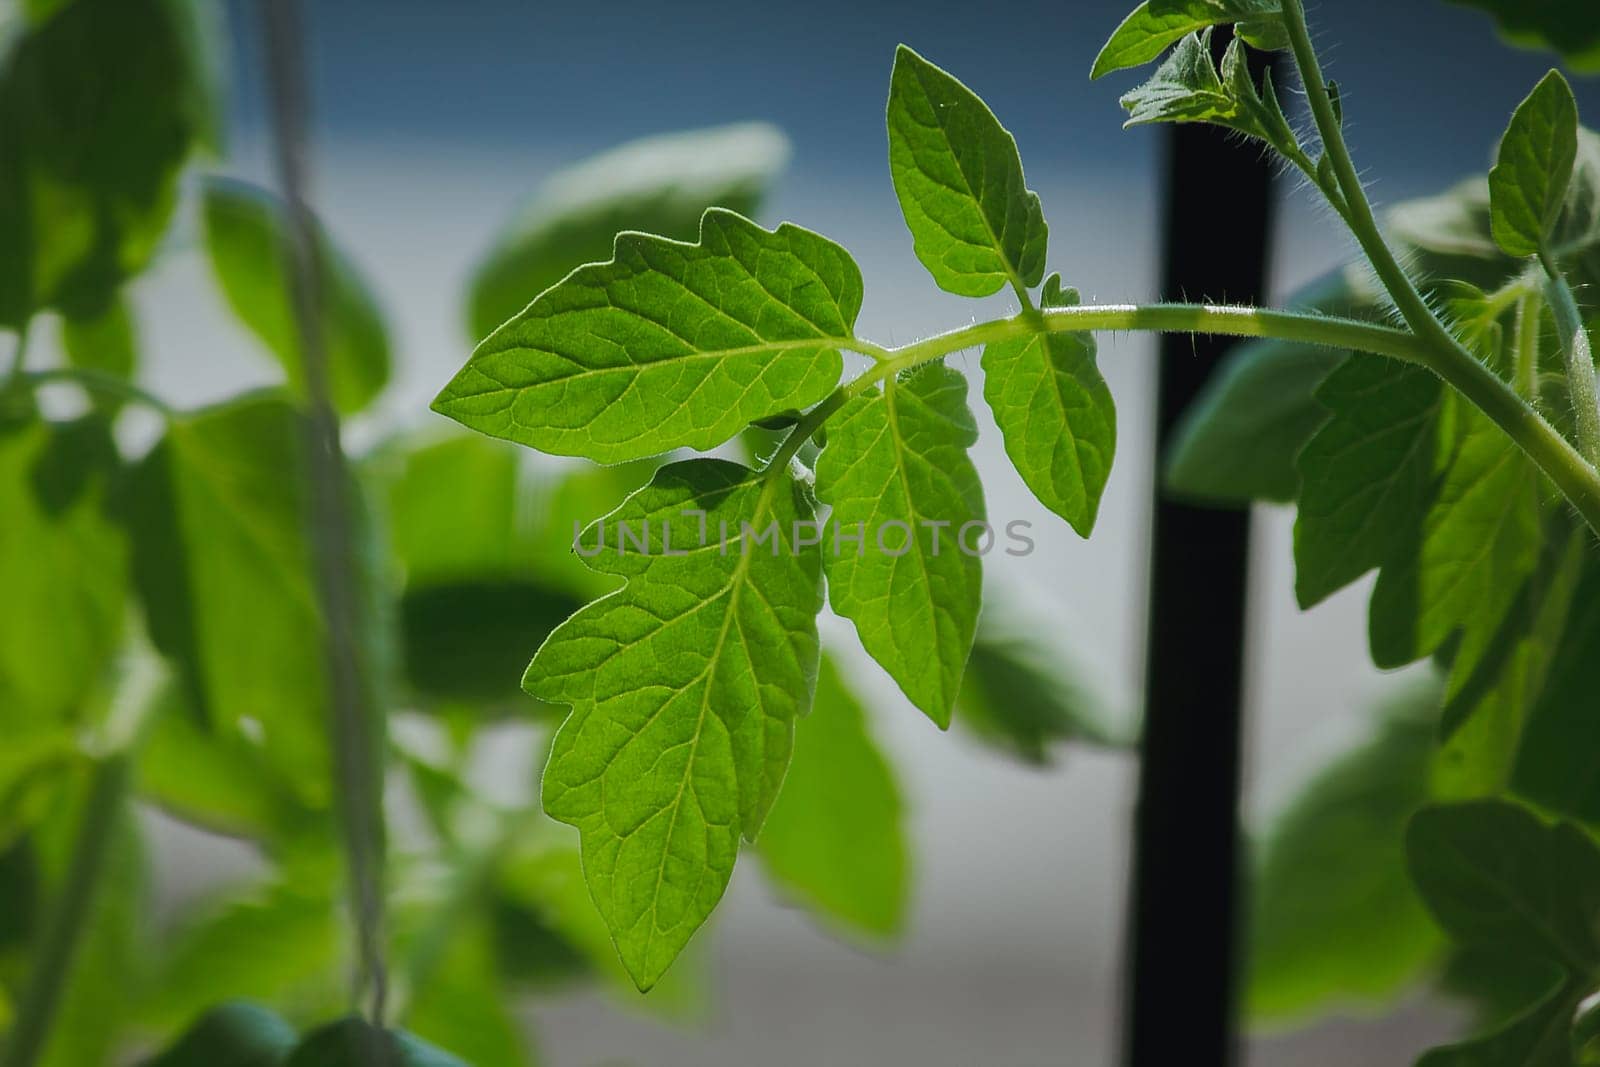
(1182, 953)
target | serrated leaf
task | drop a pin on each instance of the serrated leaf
(218, 522)
(1156, 24)
(96, 121)
(1555, 764)
(1478, 541)
(63, 565)
(1499, 669)
(1239, 441)
(1528, 183)
(236, 1034)
(1334, 919)
(1366, 474)
(905, 495)
(1018, 694)
(667, 345)
(1569, 27)
(1056, 414)
(355, 1042)
(106, 342)
(973, 221)
(247, 237)
(660, 185)
(835, 840)
(685, 686)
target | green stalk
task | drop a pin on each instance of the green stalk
(1573, 473)
(1579, 358)
(1552, 453)
(70, 917)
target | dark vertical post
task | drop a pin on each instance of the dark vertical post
(1182, 954)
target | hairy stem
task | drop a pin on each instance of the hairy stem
(1552, 453)
(1526, 350)
(1579, 359)
(96, 381)
(70, 917)
(1574, 474)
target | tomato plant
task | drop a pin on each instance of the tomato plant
(237, 622)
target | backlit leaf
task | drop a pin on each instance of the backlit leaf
(975, 224)
(236, 1034)
(902, 542)
(1156, 24)
(1570, 27)
(1056, 414)
(667, 344)
(106, 342)
(1528, 183)
(685, 686)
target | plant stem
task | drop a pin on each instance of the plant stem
(355, 722)
(1577, 479)
(70, 917)
(96, 381)
(1526, 351)
(1579, 359)
(1574, 474)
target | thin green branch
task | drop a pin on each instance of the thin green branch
(96, 381)
(1581, 387)
(70, 918)
(1526, 350)
(1552, 453)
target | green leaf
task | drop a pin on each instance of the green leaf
(463, 1007)
(1334, 920)
(1495, 876)
(1240, 439)
(1018, 696)
(248, 239)
(95, 119)
(974, 223)
(1366, 474)
(1187, 88)
(276, 943)
(835, 840)
(1157, 24)
(907, 524)
(236, 1034)
(1498, 671)
(106, 342)
(660, 185)
(218, 520)
(354, 1042)
(1569, 27)
(63, 562)
(1498, 879)
(1555, 764)
(685, 686)
(1056, 414)
(666, 345)
(1479, 540)
(212, 777)
(1528, 183)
